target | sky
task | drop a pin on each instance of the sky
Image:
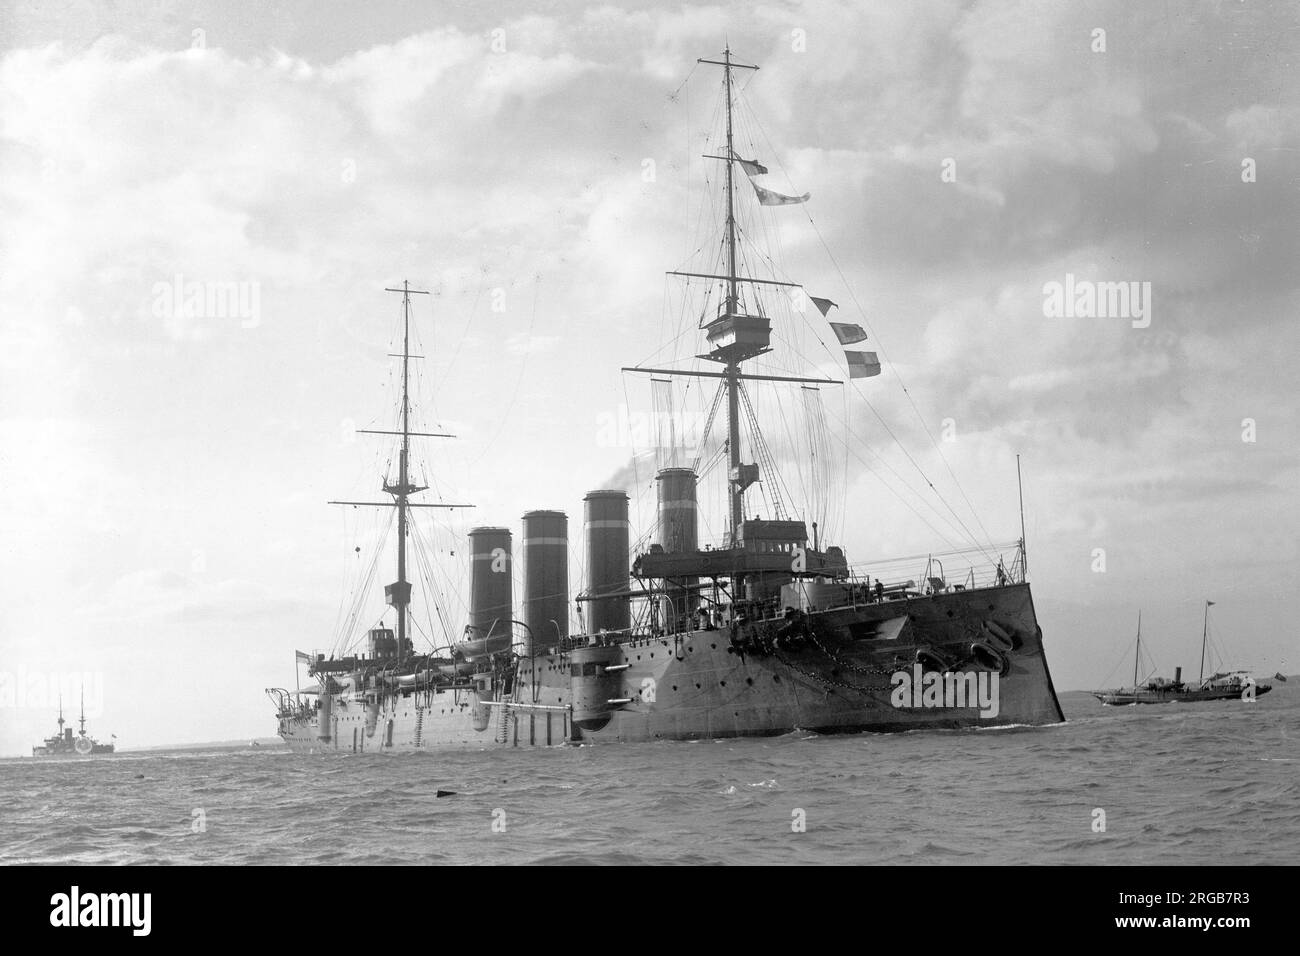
(164, 475)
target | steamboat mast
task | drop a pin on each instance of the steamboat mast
(1137, 655)
(1205, 630)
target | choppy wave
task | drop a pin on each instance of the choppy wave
(1207, 781)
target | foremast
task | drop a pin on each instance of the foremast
(735, 335)
(735, 487)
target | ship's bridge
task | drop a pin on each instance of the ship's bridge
(765, 537)
(765, 547)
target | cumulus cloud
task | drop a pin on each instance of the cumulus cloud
(538, 173)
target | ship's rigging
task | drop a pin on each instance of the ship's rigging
(740, 331)
(739, 281)
(734, 276)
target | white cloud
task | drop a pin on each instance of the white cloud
(326, 172)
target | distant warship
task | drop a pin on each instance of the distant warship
(761, 632)
(1222, 685)
(63, 744)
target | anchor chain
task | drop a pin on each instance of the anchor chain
(870, 669)
(830, 681)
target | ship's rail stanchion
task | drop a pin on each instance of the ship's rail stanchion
(547, 724)
(985, 568)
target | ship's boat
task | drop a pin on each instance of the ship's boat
(477, 648)
(727, 613)
(414, 680)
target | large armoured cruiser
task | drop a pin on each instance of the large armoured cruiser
(762, 632)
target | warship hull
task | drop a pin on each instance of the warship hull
(870, 668)
(97, 750)
(753, 633)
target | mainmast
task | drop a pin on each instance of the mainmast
(83, 710)
(398, 594)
